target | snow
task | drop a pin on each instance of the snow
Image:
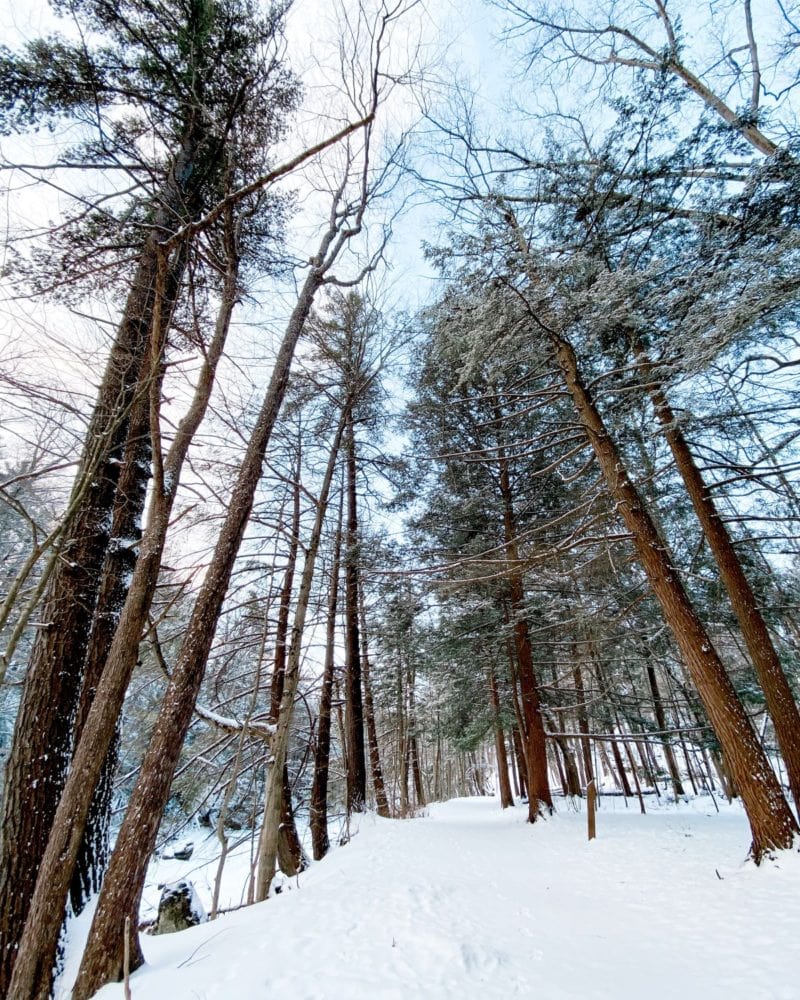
(470, 901)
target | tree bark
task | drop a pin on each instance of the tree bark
(777, 691)
(39, 939)
(42, 742)
(354, 707)
(120, 562)
(506, 798)
(121, 892)
(318, 804)
(378, 784)
(771, 821)
(270, 829)
(538, 780)
(285, 604)
(661, 723)
(583, 722)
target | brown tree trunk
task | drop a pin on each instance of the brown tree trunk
(539, 797)
(285, 603)
(354, 707)
(378, 784)
(583, 722)
(318, 804)
(661, 722)
(506, 798)
(42, 742)
(571, 783)
(269, 839)
(291, 858)
(522, 766)
(121, 893)
(290, 851)
(39, 940)
(777, 692)
(118, 569)
(771, 821)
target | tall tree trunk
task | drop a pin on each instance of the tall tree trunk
(279, 744)
(290, 849)
(411, 735)
(40, 936)
(506, 798)
(354, 707)
(522, 766)
(118, 569)
(121, 892)
(583, 721)
(285, 603)
(771, 821)
(777, 691)
(661, 722)
(318, 804)
(539, 797)
(291, 857)
(378, 784)
(402, 739)
(42, 742)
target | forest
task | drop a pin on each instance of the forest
(398, 404)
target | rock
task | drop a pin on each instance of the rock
(178, 908)
(183, 853)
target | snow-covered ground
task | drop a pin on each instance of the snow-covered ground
(470, 901)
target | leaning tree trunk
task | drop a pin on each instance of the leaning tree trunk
(118, 569)
(121, 893)
(777, 691)
(354, 707)
(42, 743)
(39, 939)
(318, 800)
(771, 821)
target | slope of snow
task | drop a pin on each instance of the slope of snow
(470, 902)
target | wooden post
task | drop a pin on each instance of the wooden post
(591, 809)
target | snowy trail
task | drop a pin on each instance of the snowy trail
(472, 902)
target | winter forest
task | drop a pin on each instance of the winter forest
(399, 510)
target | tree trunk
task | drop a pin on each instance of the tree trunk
(583, 721)
(118, 569)
(539, 797)
(121, 893)
(270, 830)
(506, 798)
(378, 784)
(661, 722)
(291, 858)
(777, 692)
(42, 742)
(318, 804)
(771, 821)
(285, 604)
(522, 766)
(354, 708)
(39, 939)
